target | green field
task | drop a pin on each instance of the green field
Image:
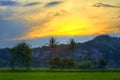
(59, 76)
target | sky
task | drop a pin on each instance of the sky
(35, 21)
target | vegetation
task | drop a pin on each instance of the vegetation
(102, 63)
(52, 42)
(55, 62)
(58, 62)
(63, 68)
(52, 45)
(68, 62)
(60, 76)
(13, 58)
(22, 53)
(72, 45)
(60, 70)
(85, 64)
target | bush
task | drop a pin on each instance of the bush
(58, 62)
(85, 64)
(102, 63)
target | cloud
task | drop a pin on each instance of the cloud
(105, 5)
(6, 13)
(32, 4)
(8, 3)
(41, 25)
(45, 18)
(10, 29)
(61, 12)
(74, 19)
(50, 4)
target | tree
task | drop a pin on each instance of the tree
(55, 62)
(85, 64)
(102, 63)
(23, 53)
(67, 62)
(72, 45)
(52, 42)
(58, 62)
(52, 45)
(13, 58)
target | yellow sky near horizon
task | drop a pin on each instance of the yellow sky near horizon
(68, 18)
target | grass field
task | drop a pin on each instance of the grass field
(59, 76)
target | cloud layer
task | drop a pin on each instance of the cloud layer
(44, 18)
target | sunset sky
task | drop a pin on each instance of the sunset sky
(34, 21)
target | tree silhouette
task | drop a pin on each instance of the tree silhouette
(23, 53)
(52, 42)
(71, 46)
(58, 62)
(55, 62)
(67, 62)
(13, 58)
(102, 63)
(52, 45)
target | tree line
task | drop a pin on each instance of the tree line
(22, 53)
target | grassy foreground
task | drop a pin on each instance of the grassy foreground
(59, 76)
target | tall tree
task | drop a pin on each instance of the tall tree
(52, 42)
(22, 53)
(13, 58)
(25, 54)
(72, 46)
(52, 45)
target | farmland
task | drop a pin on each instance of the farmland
(59, 76)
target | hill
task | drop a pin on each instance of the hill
(101, 47)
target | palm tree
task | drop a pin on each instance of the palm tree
(52, 45)
(52, 42)
(72, 45)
